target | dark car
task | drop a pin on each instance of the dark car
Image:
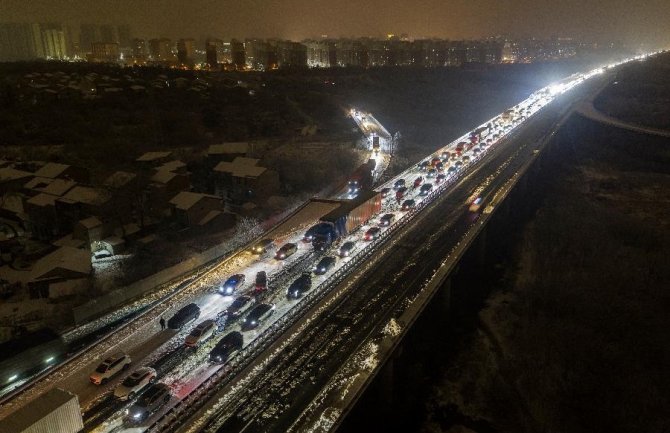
(261, 281)
(263, 246)
(187, 314)
(232, 284)
(426, 188)
(287, 250)
(257, 316)
(372, 233)
(155, 397)
(400, 183)
(347, 248)
(228, 345)
(309, 234)
(324, 265)
(452, 169)
(298, 287)
(431, 173)
(386, 220)
(418, 181)
(439, 167)
(239, 306)
(385, 192)
(408, 204)
(440, 178)
(423, 165)
(400, 193)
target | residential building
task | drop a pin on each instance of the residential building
(243, 180)
(186, 51)
(161, 50)
(192, 208)
(238, 54)
(227, 151)
(105, 52)
(54, 170)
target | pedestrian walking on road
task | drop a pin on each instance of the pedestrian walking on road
(162, 322)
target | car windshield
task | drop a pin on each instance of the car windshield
(102, 368)
(196, 332)
(132, 381)
(238, 303)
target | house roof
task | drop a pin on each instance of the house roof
(241, 167)
(71, 259)
(119, 179)
(86, 195)
(153, 156)
(8, 174)
(163, 176)
(228, 148)
(52, 170)
(50, 186)
(23, 418)
(187, 199)
(43, 199)
(90, 222)
(209, 217)
(172, 165)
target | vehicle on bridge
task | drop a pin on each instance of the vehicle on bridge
(240, 305)
(261, 284)
(203, 332)
(386, 220)
(347, 248)
(229, 344)
(426, 188)
(362, 178)
(286, 251)
(257, 316)
(375, 144)
(347, 217)
(298, 287)
(372, 234)
(418, 181)
(263, 246)
(399, 184)
(135, 383)
(232, 284)
(109, 368)
(186, 314)
(324, 265)
(400, 193)
(408, 204)
(157, 396)
(29, 354)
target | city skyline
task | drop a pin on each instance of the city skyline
(598, 20)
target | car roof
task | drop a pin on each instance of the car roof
(205, 324)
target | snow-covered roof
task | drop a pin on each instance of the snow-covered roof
(86, 195)
(71, 259)
(24, 418)
(153, 156)
(186, 199)
(51, 170)
(241, 167)
(8, 173)
(119, 179)
(90, 222)
(210, 216)
(50, 186)
(172, 165)
(227, 148)
(43, 199)
(163, 176)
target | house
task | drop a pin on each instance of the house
(121, 180)
(11, 179)
(89, 229)
(53, 170)
(227, 151)
(175, 166)
(79, 203)
(46, 185)
(192, 208)
(243, 180)
(164, 185)
(43, 221)
(152, 159)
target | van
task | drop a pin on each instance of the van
(187, 314)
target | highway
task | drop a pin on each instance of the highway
(191, 377)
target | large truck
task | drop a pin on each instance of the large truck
(346, 218)
(362, 178)
(375, 144)
(29, 354)
(56, 411)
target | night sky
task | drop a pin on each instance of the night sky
(626, 20)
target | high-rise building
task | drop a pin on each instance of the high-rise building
(105, 52)
(291, 54)
(21, 41)
(88, 33)
(54, 42)
(213, 51)
(186, 51)
(125, 39)
(140, 53)
(161, 50)
(321, 54)
(108, 33)
(237, 54)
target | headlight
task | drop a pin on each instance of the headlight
(253, 322)
(137, 415)
(127, 411)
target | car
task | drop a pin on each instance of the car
(452, 169)
(240, 305)
(385, 192)
(476, 151)
(408, 204)
(372, 233)
(418, 181)
(400, 193)
(299, 286)
(263, 246)
(200, 333)
(439, 167)
(102, 254)
(400, 183)
(386, 220)
(257, 316)
(135, 383)
(186, 314)
(155, 397)
(261, 284)
(309, 234)
(445, 155)
(232, 284)
(347, 248)
(458, 163)
(228, 345)
(287, 250)
(440, 178)
(475, 205)
(423, 165)
(109, 368)
(426, 188)
(465, 158)
(325, 265)
(431, 173)
(436, 160)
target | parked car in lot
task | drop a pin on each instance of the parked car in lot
(263, 246)
(135, 383)
(347, 248)
(232, 284)
(399, 183)
(187, 314)
(408, 204)
(286, 251)
(240, 305)
(324, 265)
(386, 220)
(228, 345)
(372, 234)
(109, 368)
(203, 332)
(261, 284)
(257, 316)
(155, 397)
(300, 286)
(426, 188)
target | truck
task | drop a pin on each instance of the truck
(375, 144)
(55, 411)
(30, 354)
(346, 218)
(362, 178)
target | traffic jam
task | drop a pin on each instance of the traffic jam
(220, 323)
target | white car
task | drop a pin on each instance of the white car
(201, 333)
(135, 383)
(110, 367)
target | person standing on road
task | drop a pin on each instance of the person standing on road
(162, 322)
